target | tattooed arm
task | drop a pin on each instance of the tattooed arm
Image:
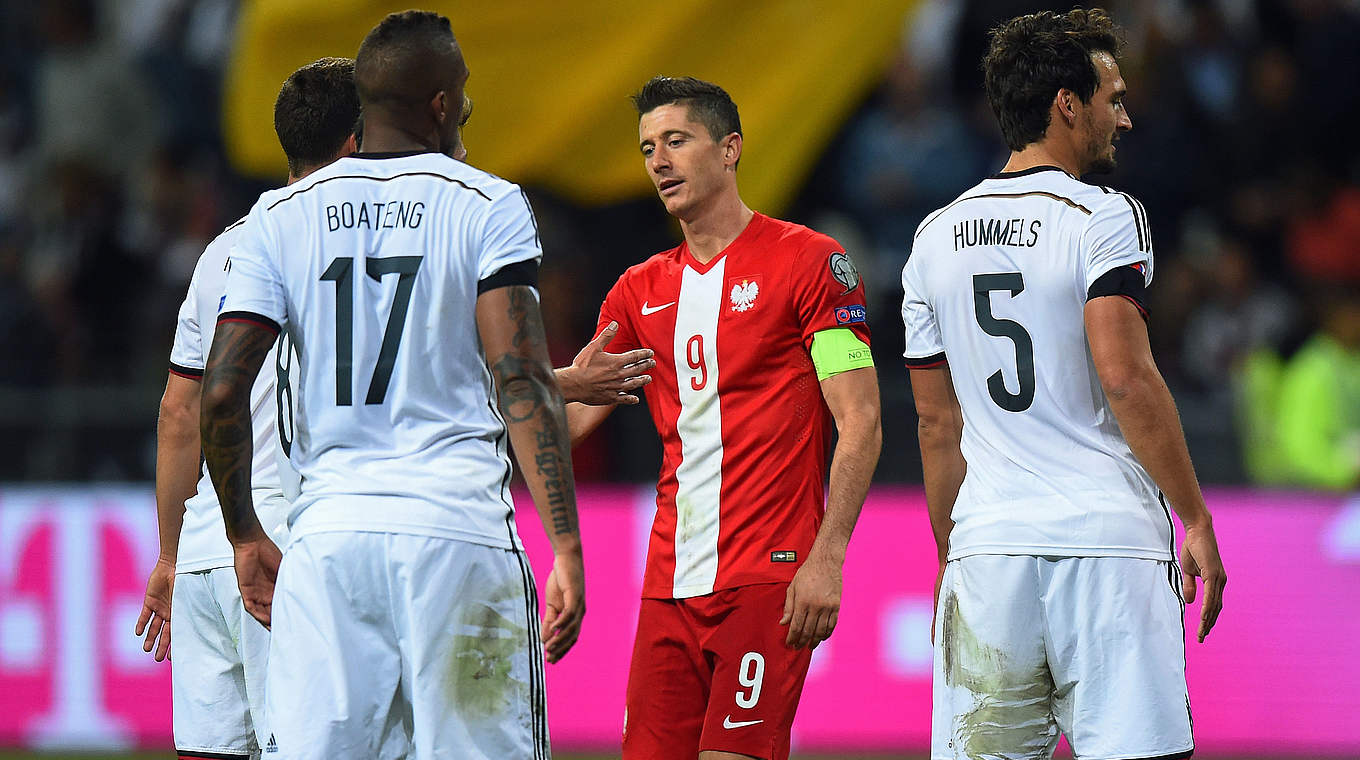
(238, 350)
(511, 329)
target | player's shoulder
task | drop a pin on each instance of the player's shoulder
(794, 238)
(218, 251)
(658, 265)
(460, 176)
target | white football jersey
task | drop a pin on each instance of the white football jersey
(995, 286)
(372, 266)
(203, 541)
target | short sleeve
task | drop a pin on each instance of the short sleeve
(509, 239)
(186, 354)
(1117, 235)
(254, 282)
(616, 308)
(925, 345)
(827, 291)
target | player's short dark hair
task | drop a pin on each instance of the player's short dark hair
(708, 103)
(316, 112)
(393, 65)
(1031, 57)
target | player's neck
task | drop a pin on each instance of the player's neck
(708, 233)
(1045, 153)
(388, 138)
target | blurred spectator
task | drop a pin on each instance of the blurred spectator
(1318, 415)
(91, 104)
(1237, 314)
(1324, 235)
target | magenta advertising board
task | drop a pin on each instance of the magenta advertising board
(1280, 674)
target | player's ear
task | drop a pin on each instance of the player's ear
(439, 107)
(350, 147)
(1065, 103)
(731, 151)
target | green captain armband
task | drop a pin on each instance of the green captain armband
(839, 350)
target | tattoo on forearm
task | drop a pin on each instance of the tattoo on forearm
(237, 352)
(550, 459)
(528, 322)
(528, 395)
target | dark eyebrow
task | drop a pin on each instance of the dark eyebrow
(665, 135)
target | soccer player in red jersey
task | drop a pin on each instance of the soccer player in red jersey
(761, 342)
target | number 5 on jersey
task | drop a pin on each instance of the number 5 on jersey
(341, 272)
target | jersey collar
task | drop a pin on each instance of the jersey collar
(748, 232)
(1031, 170)
(392, 154)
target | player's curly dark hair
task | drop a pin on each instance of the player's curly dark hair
(1031, 57)
(316, 111)
(708, 103)
(396, 62)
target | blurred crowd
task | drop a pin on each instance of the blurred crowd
(113, 178)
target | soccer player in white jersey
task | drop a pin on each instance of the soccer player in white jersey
(220, 651)
(404, 606)
(1050, 442)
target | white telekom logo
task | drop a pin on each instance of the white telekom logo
(69, 638)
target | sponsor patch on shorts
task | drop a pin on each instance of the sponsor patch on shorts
(849, 315)
(784, 556)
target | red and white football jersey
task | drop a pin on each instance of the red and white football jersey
(736, 401)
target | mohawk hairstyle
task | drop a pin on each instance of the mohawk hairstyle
(1031, 57)
(393, 63)
(315, 112)
(708, 103)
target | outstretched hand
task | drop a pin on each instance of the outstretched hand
(155, 618)
(1199, 558)
(813, 602)
(599, 378)
(257, 567)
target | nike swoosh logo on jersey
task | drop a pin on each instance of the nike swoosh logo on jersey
(654, 309)
(728, 723)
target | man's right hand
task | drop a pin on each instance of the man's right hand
(257, 567)
(565, 604)
(1199, 557)
(155, 618)
(599, 378)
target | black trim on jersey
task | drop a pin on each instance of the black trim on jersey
(1031, 170)
(926, 362)
(1124, 281)
(183, 371)
(234, 225)
(187, 754)
(1174, 755)
(537, 687)
(250, 317)
(444, 177)
(379, 155)
(519, 273)
(1139, 222)
(1041, 193)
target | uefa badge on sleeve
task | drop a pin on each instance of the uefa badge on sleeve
(843, 271)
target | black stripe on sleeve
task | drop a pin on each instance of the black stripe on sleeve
(251, 318)
(1125, 281)
(518, 273)
(183, 371)
(1138, 221)
(926, 362)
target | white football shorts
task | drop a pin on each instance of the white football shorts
(217, 667)
(1029, 646)
(399, 645)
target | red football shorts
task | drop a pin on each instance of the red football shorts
(713, 673)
